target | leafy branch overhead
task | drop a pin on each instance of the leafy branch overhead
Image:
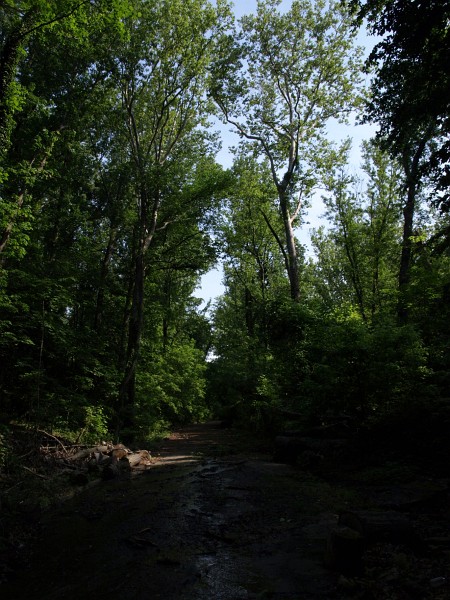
(281, 77)
(410, 96)
(114, 203)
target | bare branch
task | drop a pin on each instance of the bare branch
(250, 136)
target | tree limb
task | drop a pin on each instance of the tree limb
(277, 238)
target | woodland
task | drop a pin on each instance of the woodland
(113, 205)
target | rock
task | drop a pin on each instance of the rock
(437, 582)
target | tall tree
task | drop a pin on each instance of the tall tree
(358, 257)
(410, 89)
(162, 78)
(244, 372)
(250, 235)
(410, 102)
(278, 83)
(79, 29)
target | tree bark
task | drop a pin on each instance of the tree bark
(292, 256)
(406, 254)
(147, 228)
(127, 387)
(98, 317)
(411, 168)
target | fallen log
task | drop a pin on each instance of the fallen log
(118, 468)
(140, 458)
(110, 472)
(34, 472)
(100, 459)
(88, 451)
(118, 451)
(53, 438)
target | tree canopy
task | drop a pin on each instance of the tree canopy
(410, 91)
(113, 205)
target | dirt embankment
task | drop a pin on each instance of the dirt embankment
(215, 519)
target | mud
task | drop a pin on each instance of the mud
(216, 519)
(210, 520)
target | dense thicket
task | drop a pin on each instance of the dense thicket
(109, 187)
(367, 338)
(112, 206)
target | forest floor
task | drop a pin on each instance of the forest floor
(215, 518)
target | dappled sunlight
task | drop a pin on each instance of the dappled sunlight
(176, 459)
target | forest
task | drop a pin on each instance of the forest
(113, 205)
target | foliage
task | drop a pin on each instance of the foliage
(340, 354)
(95, 425)
(68, 198)
(171, 388)
(360, 372)
(358, 256)
(409, 92)
(5, 447)
(278, 81)
(112, 206)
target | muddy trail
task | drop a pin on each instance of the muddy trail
(211, 519)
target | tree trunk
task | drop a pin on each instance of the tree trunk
(127, 388)
(98, 317)
(406, 254)
(292, 262)
(411, 168)
(147, 228)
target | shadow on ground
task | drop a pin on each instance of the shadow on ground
(212, 519)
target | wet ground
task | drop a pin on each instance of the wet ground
(215, 518)
(209, 520)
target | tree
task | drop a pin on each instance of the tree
(47, 200)
(250, 236)
(67, 312)
(244, 376)
(410, 103)
(410, 90)
(161, 75)
(80, 29)
(358, 258)
(279, 83)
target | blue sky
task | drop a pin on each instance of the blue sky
(211, 283)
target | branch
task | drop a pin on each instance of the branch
(250, 136)
(277, 238)
(298, 207)
(34, 472)
(53, 438)
(57, 18)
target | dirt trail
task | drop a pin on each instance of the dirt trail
(211, 520)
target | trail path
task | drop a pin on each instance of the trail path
(212, 520)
